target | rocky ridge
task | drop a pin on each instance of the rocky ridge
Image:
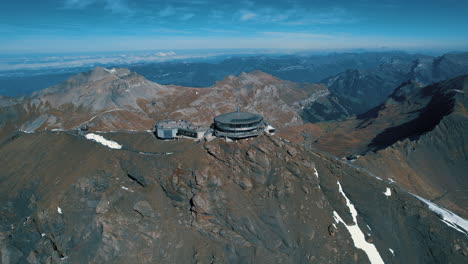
(261, 200)
(118, 99)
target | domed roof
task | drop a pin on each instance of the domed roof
(238, 118)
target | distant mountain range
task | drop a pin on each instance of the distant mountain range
(353, 83)
(311, 68)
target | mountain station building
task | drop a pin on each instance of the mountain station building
(237, 125)
(233, 125)
(170, 129)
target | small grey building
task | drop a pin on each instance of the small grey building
(167, 129)
(170, 129)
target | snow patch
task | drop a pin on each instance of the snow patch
(316, 173)
(452, 220)
(100, 139)
(125, 188)
(59, 210)
(357, 235)
(43, 234)
(458, 91)
(388, 192)
(113, 70)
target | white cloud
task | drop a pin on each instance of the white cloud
(167, 11)
(297, 16)
(187, 16)
(72, 4)
(118, 6)
(165, 54)
(248, 16)
(294, 35)
(115, 6)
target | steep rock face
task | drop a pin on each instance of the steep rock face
(409, 112)
(430, 156)
(355, 91)
(430, 70)
(424, 109)
(434, 166)
(329, 107)
(366, 89)
(256, 201)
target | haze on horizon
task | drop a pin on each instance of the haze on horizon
(67, 26)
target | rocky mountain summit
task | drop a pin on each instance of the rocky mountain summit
(68, 199)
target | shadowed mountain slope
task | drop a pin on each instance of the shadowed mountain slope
(418, 138)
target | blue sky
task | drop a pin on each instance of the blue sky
(71, 26)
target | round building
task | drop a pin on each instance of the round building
(237, 125)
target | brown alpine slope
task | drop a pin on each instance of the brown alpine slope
(71, 200)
